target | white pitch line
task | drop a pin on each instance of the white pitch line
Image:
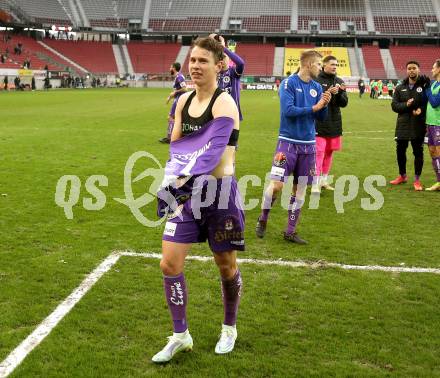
(47, 325)
(300, 264)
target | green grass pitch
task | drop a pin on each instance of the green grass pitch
(292, 322)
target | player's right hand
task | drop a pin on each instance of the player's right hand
(409, 102)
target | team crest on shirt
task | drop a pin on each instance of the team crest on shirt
(419, 89)
(313, 92)
(279, 159)
(226, 79)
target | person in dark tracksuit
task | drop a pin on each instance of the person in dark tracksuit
(410, 105)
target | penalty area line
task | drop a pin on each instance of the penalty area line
(10, 363)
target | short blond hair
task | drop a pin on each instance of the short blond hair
(308, 55)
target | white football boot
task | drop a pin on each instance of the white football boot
(227, 339)
(178, 342)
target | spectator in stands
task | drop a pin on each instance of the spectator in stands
(302, 101)
(3, 58)
(179, 87)
(361, 86)
(410, 105)
(229, 78)
(329, 130)
(432, 93)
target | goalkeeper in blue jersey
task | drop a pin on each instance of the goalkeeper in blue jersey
(301, 102)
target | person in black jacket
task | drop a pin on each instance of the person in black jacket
(329, 131)
(410, 105)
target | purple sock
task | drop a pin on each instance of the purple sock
(436, 166)
(416, 177)
(268, 202)
(231, 293)
(170, 128)
(293, 213)
(177, 298)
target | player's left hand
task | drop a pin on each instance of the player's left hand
(342, 87)
(417, 112)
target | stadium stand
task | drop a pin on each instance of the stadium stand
(260, 15)
(152, 58)
(402, 16)
(331, 13)
(51, 13)
(373, 62)
(258, 58)
(112, 14)
(186, 15)
(97, 57)
(38, 55)
(425, 55)
(103, 13)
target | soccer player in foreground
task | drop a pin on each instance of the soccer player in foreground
(229, 78)
(206, 110)
(329, 131)
(301, 102)
(179, 87)
(433, 123)
(410, 105)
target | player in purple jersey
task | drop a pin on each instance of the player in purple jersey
(207, 109)
(179, 87)
(301, 102)
(229, 77)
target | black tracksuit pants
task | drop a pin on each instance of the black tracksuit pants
(417, 148)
